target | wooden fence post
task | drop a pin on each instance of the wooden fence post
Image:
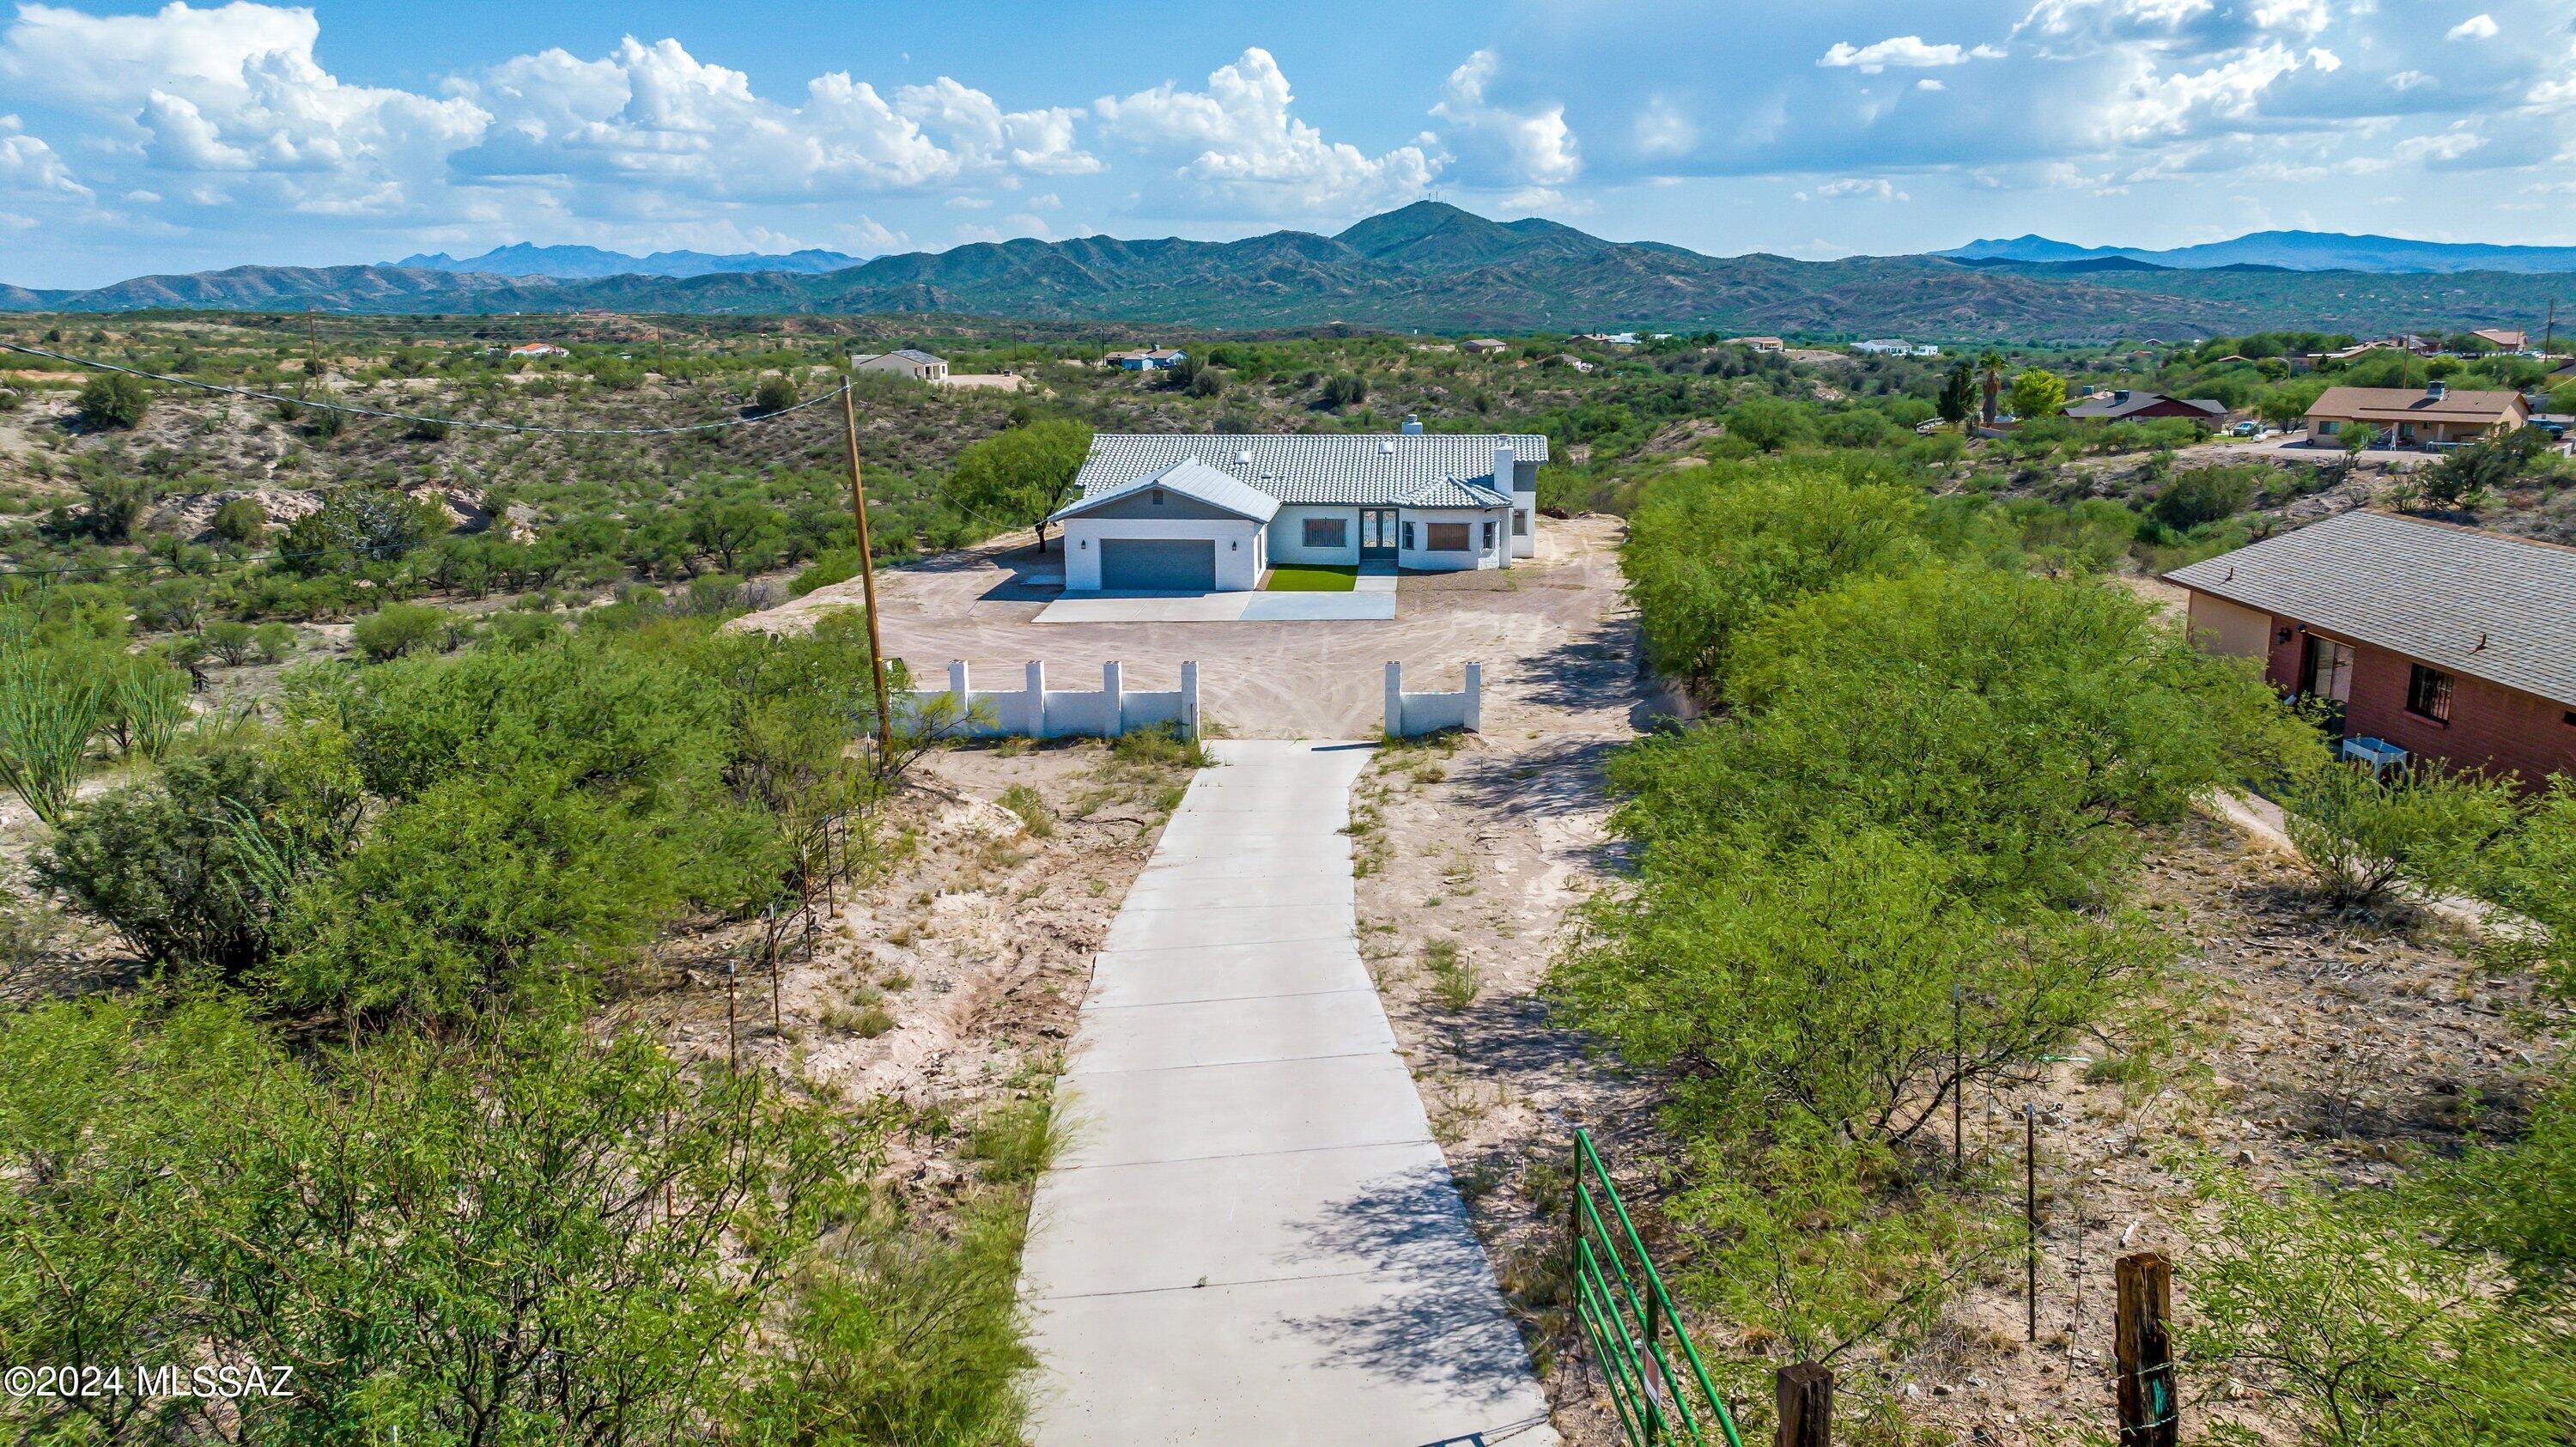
(2143, 1348)
(1806, 1394)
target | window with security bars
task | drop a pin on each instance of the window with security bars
(2428, 694)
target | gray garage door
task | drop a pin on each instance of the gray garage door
(1168, 565)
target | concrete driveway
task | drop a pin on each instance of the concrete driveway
(1535, 627)
(1252, 1236)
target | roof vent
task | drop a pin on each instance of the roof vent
(1386, 447)
(2437, 389)
(1242, 456)
(1412, 425)
(2122, 395)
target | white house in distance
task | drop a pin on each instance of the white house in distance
(1212, 513)
(911, 362)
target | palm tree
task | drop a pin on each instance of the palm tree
(1990, 367)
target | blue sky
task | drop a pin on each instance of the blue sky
(137, 137)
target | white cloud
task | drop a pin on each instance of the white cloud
(1876, 189)
(1904, 52)
(2406, 80)
(1663, 130)
(1928, 83)
(236, 89)
(2476, 27)
(1533, 147)
(1243, 143)
(28, 164)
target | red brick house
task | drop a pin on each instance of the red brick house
(2452, 643)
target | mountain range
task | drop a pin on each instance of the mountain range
(1428, 267)
(578, 262)
(2288, 251)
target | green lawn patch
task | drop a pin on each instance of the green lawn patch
(1298, 578)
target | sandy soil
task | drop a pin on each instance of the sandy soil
(947, 982)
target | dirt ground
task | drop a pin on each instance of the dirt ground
(1257, 680)
(946, 982)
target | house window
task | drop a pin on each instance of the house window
(2428, 694)
(1327, 532)
(1520, 524)
(1448, 537)
(1408, 535)
(1489, 537)
(1158, 497)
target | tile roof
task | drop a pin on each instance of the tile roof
(2410, 404)
(1190, 478)
(1423, 469)
(2480, 603)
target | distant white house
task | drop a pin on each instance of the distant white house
(538, 349)
(1199, 513)
(1484, 346)
(1612, 339)
(1146, 359)
(1895, 347)
(919, 365)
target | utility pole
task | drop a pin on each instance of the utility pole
(2549, 333)
(868, 575)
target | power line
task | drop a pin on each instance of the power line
(259, 396)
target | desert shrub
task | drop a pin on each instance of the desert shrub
(400, 628)
(1345, 389)
(2347, 1309)
(52, 703)
(775, 394)
(1709, 553)
(273, 640)
(113, 401)
(230, 640)
(1032, 808)
(2359, 833)
(520, 1223)
(837, 566)
(240, 520)
(194, 866)
(112, 503)
(1770, 423)
(2203, 495)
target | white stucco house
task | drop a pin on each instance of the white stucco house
(910, 362)
(1212, 513)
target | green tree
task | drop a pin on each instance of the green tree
(1019, 476)
(113, 402)
(114, 503)
(2037, 393)
(400, 628)
(2359, 833)
(1958, 400)
(1990, 378)
(1770, 423)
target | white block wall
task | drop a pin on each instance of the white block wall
(1036, 711)
(1288, 537)
(1411, 714)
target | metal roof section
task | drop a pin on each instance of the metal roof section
(2493, 607)
(1432, 469)
(1190, 478)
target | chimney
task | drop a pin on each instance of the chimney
(2437, 389)
(1412, 425)
(2121, 395)
(1503, 482)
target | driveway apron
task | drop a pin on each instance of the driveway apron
(1251, 1236)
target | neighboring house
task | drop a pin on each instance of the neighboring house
(1146, 359)
(538, 349)
(1484, 346)
(1611, 339)
(911, 362)
(1571, 360)
(1885, 347)
(2128, 405)
(2433, 417)
(1759, 344)
(2504, 338)
(1202, 513)
(2450, 642)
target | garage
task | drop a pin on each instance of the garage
(1157, 565)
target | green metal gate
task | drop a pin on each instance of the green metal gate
(1628, 1319)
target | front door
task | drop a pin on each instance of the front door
(1377, 534)
(2329, 679)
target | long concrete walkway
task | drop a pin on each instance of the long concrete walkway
(1252, 1237)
